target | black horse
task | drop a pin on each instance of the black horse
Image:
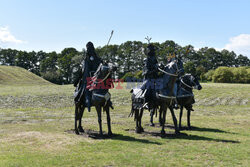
(185, 96)
(99, 84)
(162, 97)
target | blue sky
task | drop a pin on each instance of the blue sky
(56, 24)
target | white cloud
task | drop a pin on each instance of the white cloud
(7, 37)
(239, 44)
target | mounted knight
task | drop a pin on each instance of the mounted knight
(89, 67)
(150, 74)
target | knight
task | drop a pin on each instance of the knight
(89, 67)
(150, 73)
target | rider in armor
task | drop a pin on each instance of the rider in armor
(89, 67)
(150, 73)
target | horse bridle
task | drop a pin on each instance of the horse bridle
(175, 75)
(191, 87)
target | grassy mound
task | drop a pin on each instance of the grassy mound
(11, 75)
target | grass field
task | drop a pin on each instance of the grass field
(36, 122)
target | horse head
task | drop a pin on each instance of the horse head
(191, 81)
(104, 71)
(175, 67)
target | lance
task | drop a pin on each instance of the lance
(105, 52)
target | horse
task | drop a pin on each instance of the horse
(99, 85)
(162, 96)
(185, 96)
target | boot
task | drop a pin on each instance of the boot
(88, 102)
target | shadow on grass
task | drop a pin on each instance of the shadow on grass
(132, 139)
(189, 137)
(95, 135)
(193, 128)
(195, 137)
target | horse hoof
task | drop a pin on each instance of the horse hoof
(138, 130)
(152, 124)
(142, 130)
(81, 129)
(163, 132)
(77, 132)
(110, 133)
(189, 128)
(177, 132)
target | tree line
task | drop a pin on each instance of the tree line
(60, 67)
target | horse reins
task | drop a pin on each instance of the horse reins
(175, 75)
(186, 84)
(103, 79)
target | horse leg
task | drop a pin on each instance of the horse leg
(76, 118)
(108, 121)
(174, 120)
(188, 118)
(152, 113)
(180, 116)
(80, 119)
(163, 120)
(137, 121)
(160, 117)
(140, 117)
(99, 114)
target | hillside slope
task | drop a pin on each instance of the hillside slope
(12, 75)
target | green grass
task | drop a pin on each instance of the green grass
(36, 123)
(12, 75)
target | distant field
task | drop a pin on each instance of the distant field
(62, 96)
(36, 122)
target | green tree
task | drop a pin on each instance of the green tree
(189, 67)
(228, 58)
(65, 64)
(7, 56)
(242, 61)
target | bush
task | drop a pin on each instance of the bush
(248, 75)
(223, 75)
(208, 76)
(240, 75)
